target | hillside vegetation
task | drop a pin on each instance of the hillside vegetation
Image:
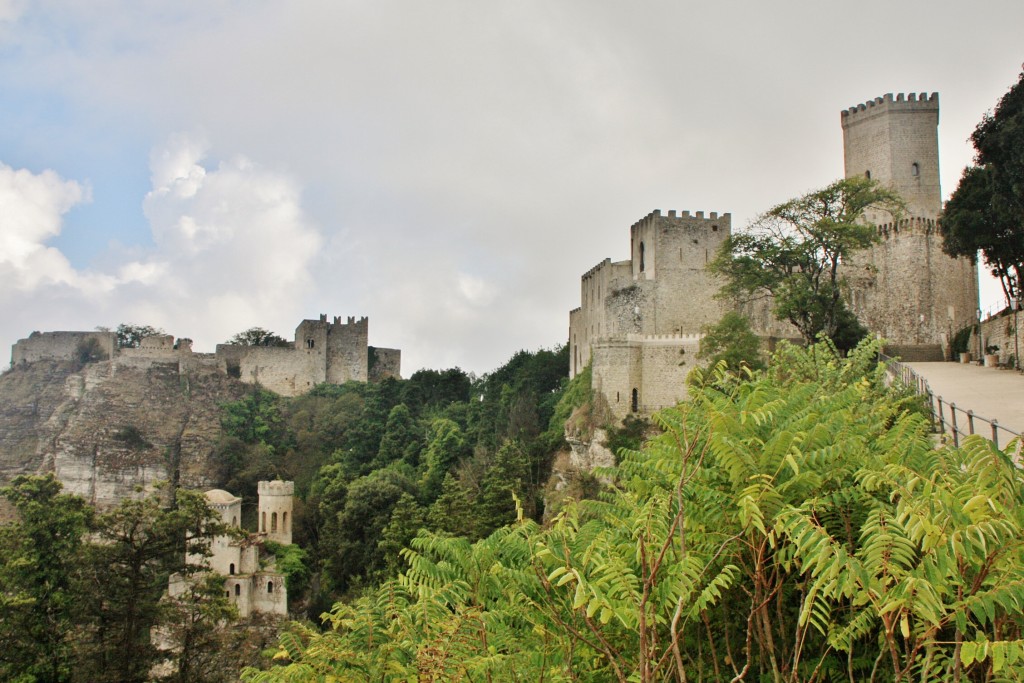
(800, 525)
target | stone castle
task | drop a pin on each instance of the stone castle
(332, 352)
(639, 321)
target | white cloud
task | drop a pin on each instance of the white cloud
(233, 248)
(31, 211)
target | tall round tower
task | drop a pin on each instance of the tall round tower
(275, 510)
(905, 288)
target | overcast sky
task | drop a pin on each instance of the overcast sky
(449, 169)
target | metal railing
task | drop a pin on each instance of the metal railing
(944, 414)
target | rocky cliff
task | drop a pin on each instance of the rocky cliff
(109, 429)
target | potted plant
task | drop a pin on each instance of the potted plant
(991, 356)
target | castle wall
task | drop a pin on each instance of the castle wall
(347, 357)
(676, 252)
(59, 346)
(384, 364)
(1005, 331)
(895, 140)
(288, 372)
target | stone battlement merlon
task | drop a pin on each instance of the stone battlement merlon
(599, 266)
(887, 103)
(681, 216)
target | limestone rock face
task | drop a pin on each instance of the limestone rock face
(590, 453)
(111, 428)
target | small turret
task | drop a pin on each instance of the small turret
(275, 515)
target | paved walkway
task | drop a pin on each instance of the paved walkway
(990, 392)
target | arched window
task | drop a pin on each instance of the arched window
(231, 568)
(641, 257)
(284, 522)
(264, 527)
(867, 174)
(915, 169)
(238, 589)
(636, 401)
(234, 520)
(273, 522)
(309, 343)
(270, 586)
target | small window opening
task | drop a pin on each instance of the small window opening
(263, 528)
(284, 521)
(714, 228)
(915, 169)
(309, 343)
(238, 589)
(234, 520)
(641, 257)
(635, 407)
(273, 522)
(270, 586)
(227, 594)
(616, 397)
(231, 568)
(867, 174)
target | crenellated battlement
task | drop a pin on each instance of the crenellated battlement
(603, 264)
(680, 217)
(886, 103)
(909, 226)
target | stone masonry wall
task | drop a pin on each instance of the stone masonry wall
(59, 345)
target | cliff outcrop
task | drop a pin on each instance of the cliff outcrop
(109, 429)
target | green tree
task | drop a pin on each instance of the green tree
(193, 626)
(446, 445)
(986, 211)
(39, 564)
(137, 546)
(454, 511)
(257, 336)
(732, 341)
(402, 439)
(792, 253)
(130, 336)
(407, 518)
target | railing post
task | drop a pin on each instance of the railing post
(995, 432)
(970, 421)
(942, 418)
(952, 417)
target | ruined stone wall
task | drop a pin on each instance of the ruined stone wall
(384, 363)
(285, 371)
(59, 346)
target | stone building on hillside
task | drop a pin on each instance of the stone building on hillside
(251, 582)
(639, 321)
(332, 352)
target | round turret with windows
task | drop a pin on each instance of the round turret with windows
(275, 513)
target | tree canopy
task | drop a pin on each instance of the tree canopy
(257, 336)
(986, 211)
(792, 253)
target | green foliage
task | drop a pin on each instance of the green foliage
(986, 211)
(257, 336)
(130, 336)
(88, 351)
(792, 253)
(290, 560)
(731, 341)
(39, 559)
(798, 526)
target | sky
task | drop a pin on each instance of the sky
(448, 168)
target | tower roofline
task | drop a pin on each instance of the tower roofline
(888, 102)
